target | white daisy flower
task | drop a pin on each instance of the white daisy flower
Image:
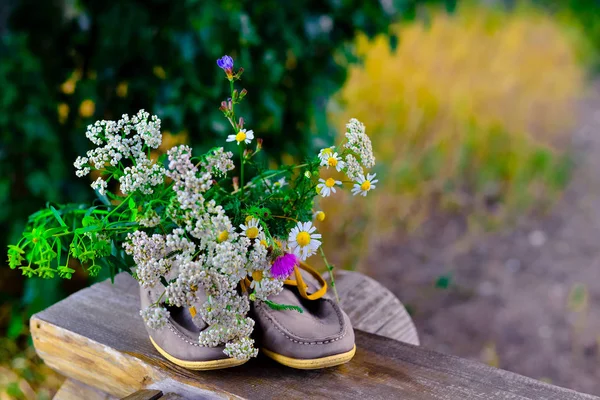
(280, 183)
(363, 185)
(325, 153)
(326, 187)
(302, 241)
(319, 216)
(333, 160)
(262, 239)
(251, 229)
(257, 277)
(242, 136)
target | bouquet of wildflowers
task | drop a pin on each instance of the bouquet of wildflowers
(188, 223)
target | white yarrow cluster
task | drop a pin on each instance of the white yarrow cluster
(359, 142)
(354, 170)
(241, 349)
(124, 143)
(156, 317)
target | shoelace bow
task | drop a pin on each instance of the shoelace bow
(299, 282)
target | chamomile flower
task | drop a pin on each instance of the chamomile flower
(364, 184)
(223, 236)
(280, 183)
(326, 187)
(257, 277)
(332, 160)
(302, 240)
(262, 239)
(242, 136)
(319, 216)
(326, 152)
(251, 229)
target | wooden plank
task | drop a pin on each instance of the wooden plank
(145, 395)
(171, 396)
(97, 337)
(74, 390)
(373, 308)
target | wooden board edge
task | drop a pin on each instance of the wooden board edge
(94, 364)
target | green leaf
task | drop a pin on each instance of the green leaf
(277, 306)
(57, 216)
(54, 231)
(90, 228)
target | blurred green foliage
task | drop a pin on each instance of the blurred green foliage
(66, 63)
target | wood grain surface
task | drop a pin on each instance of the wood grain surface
(373, 308)
(97, 337)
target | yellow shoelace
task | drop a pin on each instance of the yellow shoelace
(302, 286)
(299, 282)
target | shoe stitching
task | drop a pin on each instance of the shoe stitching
(181, 335)
(272, 319)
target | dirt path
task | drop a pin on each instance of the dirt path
(526, 300)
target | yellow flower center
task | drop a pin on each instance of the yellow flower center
(257, 276)
(223, 236)
(320, 216)
(330, 182)
(249, 218)
(241, 136)
(366, 185)
(252, 232)
(303, 238)
(328, 150)
(263, 243)
(332, 161)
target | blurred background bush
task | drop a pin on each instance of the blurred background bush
(468, 108)
(469, 113)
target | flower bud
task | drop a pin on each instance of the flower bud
(259, 144)
(241, 123)
(239, 73)
(320, 216)
(236, 183)
(243, 93)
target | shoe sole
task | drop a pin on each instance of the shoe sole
(313, 363)
(199, 365)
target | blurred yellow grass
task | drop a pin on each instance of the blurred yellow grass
(470, 112)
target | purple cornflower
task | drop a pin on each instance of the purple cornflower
(226, 64)
(284, 265)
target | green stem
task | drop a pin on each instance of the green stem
(242, 145)
(125, 200)
(330, 269)
(274, 174)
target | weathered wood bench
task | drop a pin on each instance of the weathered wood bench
(97, 340)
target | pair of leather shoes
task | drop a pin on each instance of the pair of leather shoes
(319, 337)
